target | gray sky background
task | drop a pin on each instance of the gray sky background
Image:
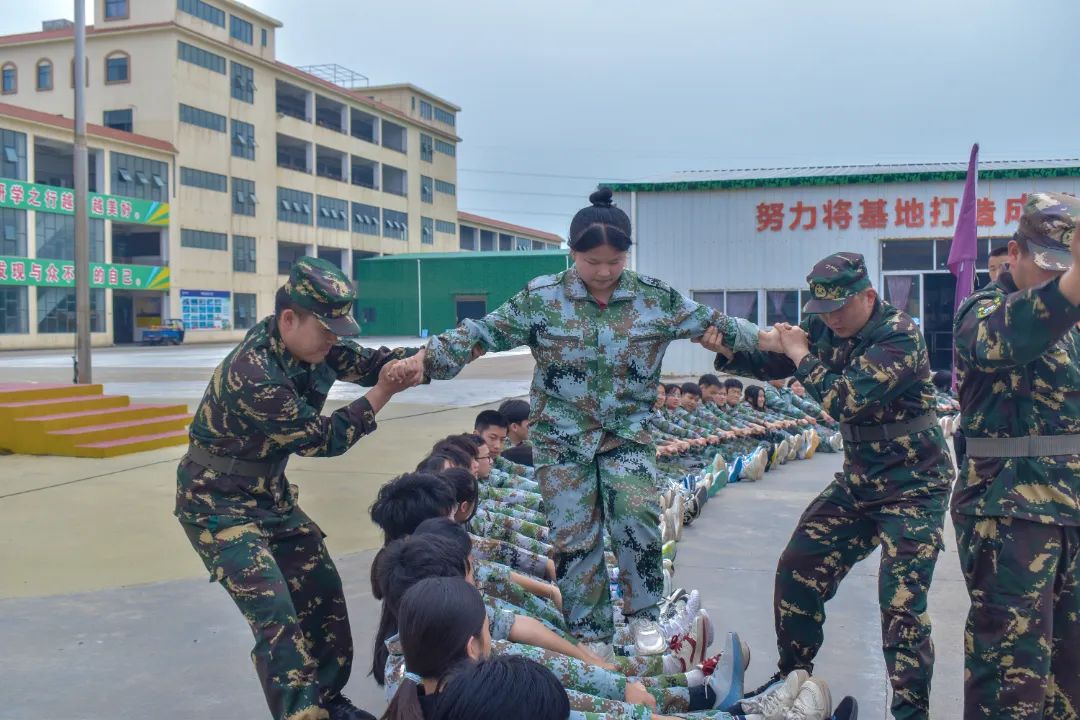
(558, 95)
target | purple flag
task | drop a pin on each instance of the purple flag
(964, 249)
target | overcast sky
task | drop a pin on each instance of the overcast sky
(557, 95)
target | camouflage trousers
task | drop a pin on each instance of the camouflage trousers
(617, 490)
(1022, 639)
(289, 591)
(835, 532)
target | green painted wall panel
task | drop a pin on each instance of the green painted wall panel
(387, 302)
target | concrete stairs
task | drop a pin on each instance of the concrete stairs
(81, 421)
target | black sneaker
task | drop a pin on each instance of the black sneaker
(341, 708)
(848, 709)
(777, 678)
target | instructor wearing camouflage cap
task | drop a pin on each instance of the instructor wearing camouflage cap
(1016, 507)
(866, 363)
(237, 507)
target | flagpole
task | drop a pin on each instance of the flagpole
(83, 370)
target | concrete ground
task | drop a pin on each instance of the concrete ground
(105, 612)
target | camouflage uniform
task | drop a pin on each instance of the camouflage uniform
(597, 367)
(891, 493)
(1018, 518)
(261, 406)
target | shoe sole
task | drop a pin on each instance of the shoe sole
(734, 692)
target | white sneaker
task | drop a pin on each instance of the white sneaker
(778, 699)
(814, 702)
(605, 651)
(648, 638)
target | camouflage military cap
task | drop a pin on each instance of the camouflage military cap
(835, 280)
(1049, 224)
(321, 288)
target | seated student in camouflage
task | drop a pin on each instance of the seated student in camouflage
(598, 333)
(1016, 504)
(866, 363)
(235, 502)
(431, 553)
(517, 414)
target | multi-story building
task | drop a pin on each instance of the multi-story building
(272, 161)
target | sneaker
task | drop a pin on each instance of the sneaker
(678, 618)
(726, 682)
(836, 442)
(776, 678)
(848, 709)
(812, 703)
(341, 708)
(778, 699)
(689, 648)
(669, 550)
(648, 638)
(709, 666)
(603, 650)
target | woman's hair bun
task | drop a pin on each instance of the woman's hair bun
(601, 198)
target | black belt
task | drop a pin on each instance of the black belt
(235, 466)
(1026, 446)
(888, 431)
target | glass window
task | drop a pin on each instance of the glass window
(466, 237)
(395, 224)
(119, 120)
(506, 242)
(441, 146)
(12, 232)
(132, 177)
(907, 255)
(200, 57)
(203, 179)
(743, 304)
(56, 237)
(781, 306)
(426, 189)
(244, 314)
(243, 254)
(203, 239)
(243, 83)
(427, 231)
(263, 32)
(294, 206)
(366, 219)
(241, 30)
(902, 292)
(712, 298)
(244, 199)
(117, 69)
(14, 310)
(444, 116)
(202, 118)
(116, 9)
(44, 75)
(487, 240)
(332, 213)
(446, 188)
(427, 148)
(203, 11)
(56, 310)
(445, 226)
(243, 139)
(11, 79)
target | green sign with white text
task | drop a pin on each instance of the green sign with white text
(43, 272)
(23, 195)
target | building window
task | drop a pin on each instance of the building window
(292, 101)
(203, 11)
(116, 9)
(365, 173)
(241, 30)
(907, 255)
(287, 255)
(200, 57)
(395, 180)
(333, 213)
(244, 200)
(426, 148)
(506, 242)
(487, 240)
(736, 303)
(330, 163)
(445, 117)
(202, 179)
(781, 306)
(541, 245)
(11, 79)
(56, 237)
(394, 136)
(426, 194)
(13, 159)
(263, 33)
(202, 118)
(521, 243)
(441, 146)
(117, 68)
(427, 231)
(243, 83)
(294, 206)
(395, 225)
(425, 110)
(364, 126)
(119, 120)
(365, 219)
(203, 239)
(14, 311)
(56, 310)
(12, 232)
(446, 188)
(466, 237)
(293, 153)
(243, 139)
(44, 75)
(139, 177)
(243, 254)
(443, 226)
(244, 315)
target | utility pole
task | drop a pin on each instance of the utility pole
(82, 206)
